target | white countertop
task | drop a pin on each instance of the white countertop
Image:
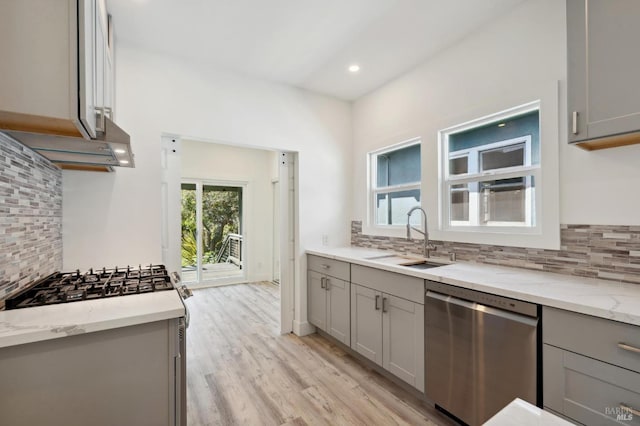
(19, 326)
(521, 413)
(601, 298)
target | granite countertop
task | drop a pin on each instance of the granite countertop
(521, 413)
(597, 297)
(19, 326)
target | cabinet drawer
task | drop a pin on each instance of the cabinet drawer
(335, 268)
(610, 341)
(589, 391)
(410, 288)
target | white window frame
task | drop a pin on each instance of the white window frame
(374, 190)
(475, 176)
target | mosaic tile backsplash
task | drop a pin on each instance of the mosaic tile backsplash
(30, 217)
(600, 251)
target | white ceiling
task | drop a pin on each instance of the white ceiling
(304, 43)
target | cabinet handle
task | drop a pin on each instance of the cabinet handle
(628, 348)
(322, 284)
(574, 122)
(324, 266)
(629, 409)
(326, 283)
(101, 120)
(376, 303)
(384, 304)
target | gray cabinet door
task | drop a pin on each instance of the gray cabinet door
(610, 341)
(366, 322)
(403, 339)
(121, 376)
(338, 309)
(317, 300)
(587, 390)
(603, 81)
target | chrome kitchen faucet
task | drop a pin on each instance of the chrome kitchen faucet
(427, 246)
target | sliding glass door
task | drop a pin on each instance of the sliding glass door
(212, 235)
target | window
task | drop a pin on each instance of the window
(395, 183)
(489, 169)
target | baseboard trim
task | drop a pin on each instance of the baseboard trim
(259, 277)
(303, 328)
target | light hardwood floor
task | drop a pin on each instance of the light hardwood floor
(241, 371)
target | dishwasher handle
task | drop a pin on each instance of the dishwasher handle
(489, 310)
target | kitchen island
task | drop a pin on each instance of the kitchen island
(101, 362)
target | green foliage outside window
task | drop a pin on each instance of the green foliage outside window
(220, 216)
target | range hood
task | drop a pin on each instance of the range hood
(111, 148)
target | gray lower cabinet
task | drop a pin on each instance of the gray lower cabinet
(328, 297)
(603, 83)
(366, 322)
(121, 376)
(389, 331)
(591, 368)
(589, 391)
(317, 300)
(403, 339)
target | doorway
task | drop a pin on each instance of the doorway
(232, 165)
(212, 234)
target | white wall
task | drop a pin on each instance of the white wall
(115, 218)
(209, 161)
(524, 48)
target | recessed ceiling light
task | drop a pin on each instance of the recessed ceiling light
(119, 151)
(354, 68)
(502, 124)
(124, 161)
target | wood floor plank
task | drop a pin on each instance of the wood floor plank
(241, 371)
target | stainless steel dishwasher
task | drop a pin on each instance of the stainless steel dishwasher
(481, 352)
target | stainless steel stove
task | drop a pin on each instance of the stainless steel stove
(118, 348)
(64, 287)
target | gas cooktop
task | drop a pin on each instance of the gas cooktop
(64, 287)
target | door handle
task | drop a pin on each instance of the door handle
(100, 119)
(326, 283)
(322, 284)
(376, 302)
(574, 122)
(384, 304)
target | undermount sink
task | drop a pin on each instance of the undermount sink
(408, 261)
(384, 256)
(423, 265)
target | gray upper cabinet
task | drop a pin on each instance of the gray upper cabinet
(603, 82)
(328, 297)
(54, 78)
(57, 85)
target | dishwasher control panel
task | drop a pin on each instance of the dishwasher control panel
(513, 305)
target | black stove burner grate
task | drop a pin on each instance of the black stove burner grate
(65, 287)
